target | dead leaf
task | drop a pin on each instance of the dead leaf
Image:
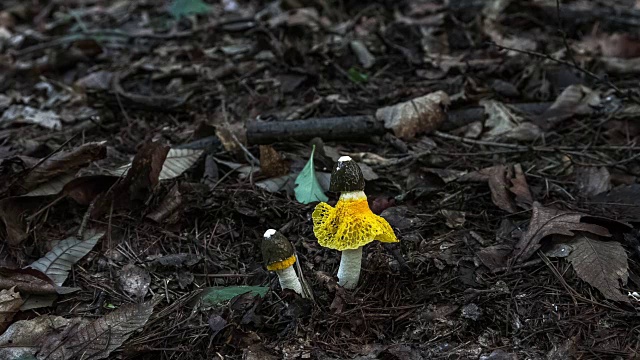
(419, 115)
(602, 264)
(175, 164)
(86, 188)
(455, 219)
(169, 204)
(271, 162)
(13, 211)
(99, 338)
(21, 336)
(504, 123)
(520, 188)
(547, 221)
(494, 256)
(20, 114)
(57, 263)
(621, 202)
(574, 100)
(30, 281)
(59, 164)
(496, 176)
(592, 181)
(139, 182)
(10, 302)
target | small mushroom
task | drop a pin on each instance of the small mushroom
(351, 224)
(279, 256)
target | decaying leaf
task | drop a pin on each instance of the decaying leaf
(419, 115)
(504, 123)
(496, 176)
(62, 163)
(99, 338)
(20, 114)
(622, 202)
(546, 221)
(592, 181)
(30, 281)
(271, 162)
(10, 302)
(169, 204)
(603, 264)
(86, 188)
(308, 188)
(13, 210)
(177, 162)
(575, 99)
(51, 187)
(57, 263)
(520, 188)
(23, 337)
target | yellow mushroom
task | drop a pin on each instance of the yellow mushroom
(349, 225)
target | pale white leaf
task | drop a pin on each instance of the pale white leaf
(177, 162)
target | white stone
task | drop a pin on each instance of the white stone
(269, 233)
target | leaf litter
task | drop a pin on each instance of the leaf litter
(456, 141)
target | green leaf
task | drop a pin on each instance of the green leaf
(217, 294)
(180, 8)
(308, 188)
(357, 76)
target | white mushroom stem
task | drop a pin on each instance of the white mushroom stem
(289, 279)
(350, 265)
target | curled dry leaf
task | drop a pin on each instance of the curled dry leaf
(603, 264)
(99, 338)
(419, 115)
(13, 210)
(496, 176)
(10, 302)
(271, 162)
(547, 221)
(62, 163)
(574, 100)
(169, 204)
(30, 281)
(504, 123)
(520, 188)
(592, 181)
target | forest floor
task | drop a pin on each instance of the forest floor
(146, 146)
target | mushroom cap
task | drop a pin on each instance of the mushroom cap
(349, 225)
(346, 176)
(277, 251)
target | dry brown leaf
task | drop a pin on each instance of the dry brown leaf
(169, 204)
(504, 123)
(62, 163)
(592, 181)
(10, 302)
(419, 115)
(496, 176)
(520, 188)
(13, 211)
(622, 202)
(546, 221)
(30, 281)
(99, 338)
(603, 264)
(575, 99)
(271, 162)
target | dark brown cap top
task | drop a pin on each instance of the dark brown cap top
(275, 247)
(346, 176)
